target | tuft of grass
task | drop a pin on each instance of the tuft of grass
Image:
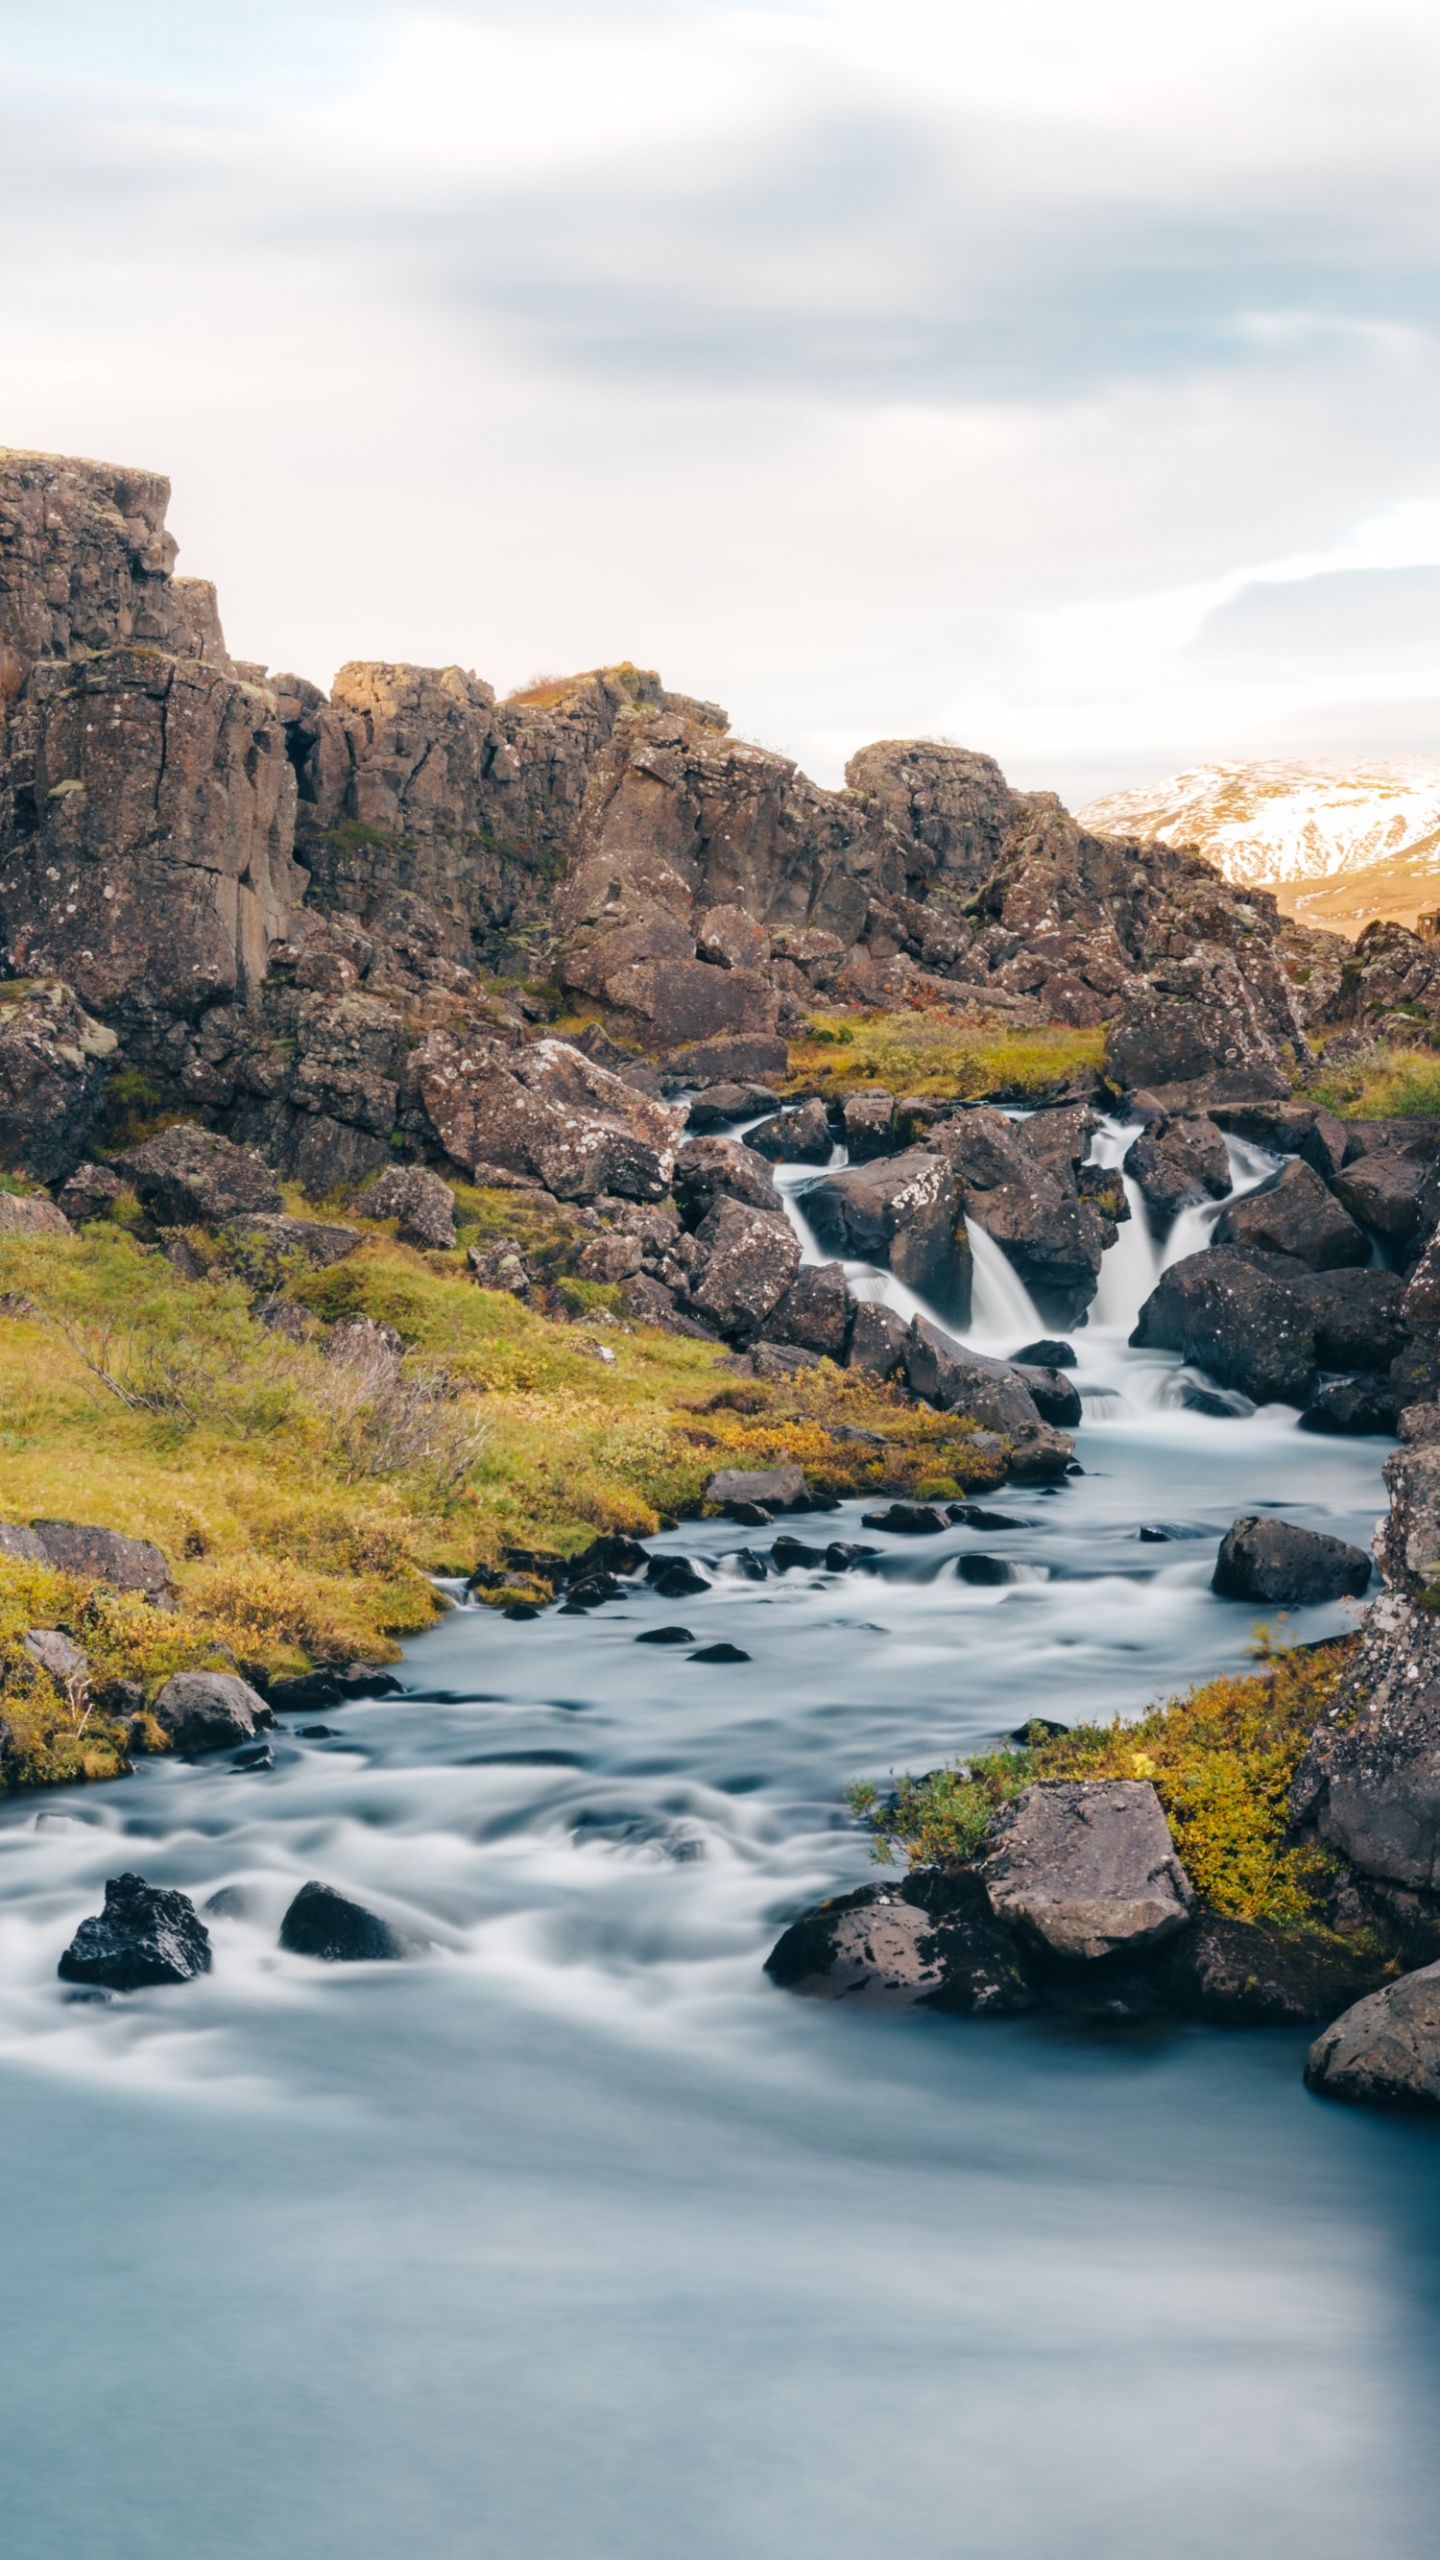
(1220, 1758)
(1386, 1081)
(942, 1055)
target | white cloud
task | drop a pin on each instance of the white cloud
(934, 368)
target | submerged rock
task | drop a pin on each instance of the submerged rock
(1385, 2051)
(1088, 1868)
(322, 1923)
(1275, 1562)
(145, 1934)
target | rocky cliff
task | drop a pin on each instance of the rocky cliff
(278, 900)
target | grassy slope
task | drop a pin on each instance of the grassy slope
(303, 1527)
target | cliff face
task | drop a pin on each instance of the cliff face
(146, 797)
(277, 899)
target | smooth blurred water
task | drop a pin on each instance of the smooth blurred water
(576, 2239)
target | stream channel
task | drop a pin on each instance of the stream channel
(579, 2241)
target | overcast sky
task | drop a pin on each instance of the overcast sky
(1061, 377)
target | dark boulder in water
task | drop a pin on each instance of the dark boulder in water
(1275, 1562)
(720, 1653)
(146, 1934)
(906, 1520)
(1365, 1405)
(1057, 1399)
(1385, 2051)
(1247, 1973)
(665, 1635)
(321, 1922)
(928, 1943)
(674, 1578)
(1045, 1354)
(791, 1555)
(1242, 1324)
(1293, 1213)
(209, 1710)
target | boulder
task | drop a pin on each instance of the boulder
(886, 1946)
(1029, 1206)
(103, 1555)
(730, 939)
(1087, 1868)
(1059, 1135)
(548, 1112)
(145, 1935)
(1369, 1779)
(1056, 1398)
(814, 1312)
(868, 1122)
(263, 1244)
(801, 1136)
(902, 1211)
(31, 1217)
(753, 1056)
(877, 1339)
(1385, 2051)
(55, 1653)
(1279, 1565)
(1391, 1192)
(1246, 1973)
(1294, 1213)
(1358, 1407)
(191, 1177)
(21, 1545)
(1419, 1422)
(610, 1258)
(324, 1924)
(1288, 1128)
(90, 1193)
(906, 1520)
(501, 1265)
(209, 1710)
(1178, 1161)
(1249, 1330)
(711, 1169)
(423, 1204)
(1193, 1018)
(52, 1079)
(1357, 1315)
(772, 1488)
(751, 1258)
(957, 1380)
(1407, 1542)
(719, 1106)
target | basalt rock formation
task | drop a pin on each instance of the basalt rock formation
(274, 901)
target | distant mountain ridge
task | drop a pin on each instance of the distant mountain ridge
(1339, 844)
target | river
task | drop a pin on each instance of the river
(577, 2240)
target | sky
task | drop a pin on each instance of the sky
(1060, 378)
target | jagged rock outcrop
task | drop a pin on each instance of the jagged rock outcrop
(277, 899)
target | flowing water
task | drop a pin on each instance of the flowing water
(577, 2241)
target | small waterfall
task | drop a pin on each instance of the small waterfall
(1002, 1309)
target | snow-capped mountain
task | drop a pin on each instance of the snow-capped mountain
(1339, 844)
